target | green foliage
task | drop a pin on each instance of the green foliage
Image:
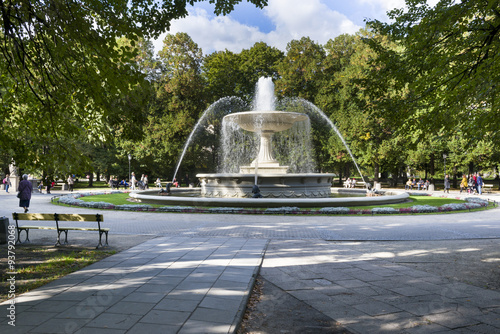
(301, 69)
(448, 64)
(230, 74)
(66, 77)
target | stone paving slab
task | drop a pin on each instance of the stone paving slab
(165, 285)
(406, 301)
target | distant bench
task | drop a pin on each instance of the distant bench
(360, 184)
(488, 188)
(57, 218)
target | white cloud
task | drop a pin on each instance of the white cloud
(379, 8)
(313, 18)
(214, 33)
(320, 20)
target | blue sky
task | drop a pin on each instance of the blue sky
(278, 23)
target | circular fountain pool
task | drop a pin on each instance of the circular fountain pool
(192, 197)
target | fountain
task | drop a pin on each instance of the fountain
(265, 175)
(265, 171)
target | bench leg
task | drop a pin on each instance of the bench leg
(19, 230)
(58, 243)
(100, 239)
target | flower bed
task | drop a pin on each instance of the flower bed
(283, 210)
(74, 200)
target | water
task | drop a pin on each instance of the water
(310, 109)
(292, 147)
(237, 148)
(264, 96)
(218, 109)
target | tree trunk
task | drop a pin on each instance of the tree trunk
(376, 168)
(498, 177)
(455, 184)
(471, 168)
(91, 180)
(432, 168)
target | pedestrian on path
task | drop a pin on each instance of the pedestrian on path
(480, 184)
(25, 189)
(7, 183)
(447, 184)
(71, 182)
(133, 181)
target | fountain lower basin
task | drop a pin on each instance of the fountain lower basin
(151, 196)
(232, 185)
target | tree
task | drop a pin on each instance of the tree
(261, 60)
(223, 75)
(64, 75)
(178, 103)
(301, 69)
(344, 98)
(449, 64)
(230, 74)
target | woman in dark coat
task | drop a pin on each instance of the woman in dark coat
(447, 183)
(25, 189)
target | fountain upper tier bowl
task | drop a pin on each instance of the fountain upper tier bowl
(266, 121)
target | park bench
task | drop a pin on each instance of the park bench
(488, 188)
(58, 218)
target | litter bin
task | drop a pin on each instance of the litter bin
(4, 229)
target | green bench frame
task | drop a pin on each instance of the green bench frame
(59, 217)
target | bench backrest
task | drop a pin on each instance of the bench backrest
(58, 217)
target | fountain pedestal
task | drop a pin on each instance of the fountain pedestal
(236, 185)
(265, 163)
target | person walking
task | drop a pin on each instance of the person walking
(71, 182)
(132, 181)
(48, 184)
(463, 184)
(479, 186)
(447, 184)
(25, 189)
(7, 182)
(471, 184)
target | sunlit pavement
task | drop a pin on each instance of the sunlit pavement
(195, 274)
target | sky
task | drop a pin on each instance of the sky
(280, 22)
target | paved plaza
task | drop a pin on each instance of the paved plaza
(193, 273)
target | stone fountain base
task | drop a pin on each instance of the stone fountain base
(314, 185)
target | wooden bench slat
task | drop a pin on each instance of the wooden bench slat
(35, 216)
(79, 217)
(38, 227)
(83, 228)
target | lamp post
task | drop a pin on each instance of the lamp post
(129, 158)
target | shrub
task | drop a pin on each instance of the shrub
(334, 210)
(284, 209)
(384, 211)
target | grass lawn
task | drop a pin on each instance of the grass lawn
(37, 265)
(118, 199)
